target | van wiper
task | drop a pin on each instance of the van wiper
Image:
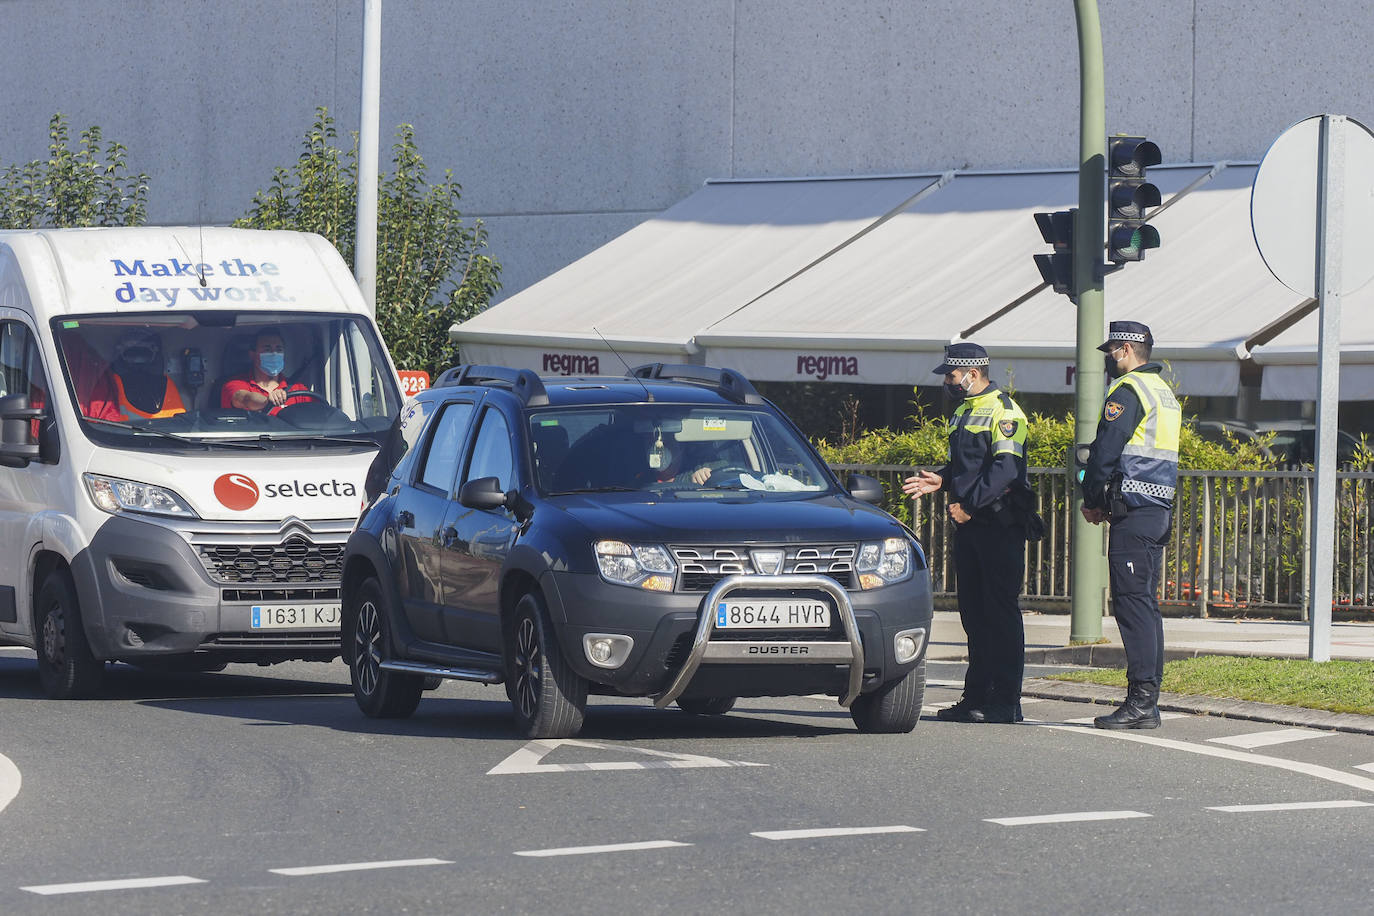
(266, 439)
(162, 434)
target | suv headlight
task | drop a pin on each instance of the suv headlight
(114, 494)
(883, 562)
(643, 566)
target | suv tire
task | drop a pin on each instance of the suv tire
(893, 708)
(67, 670)
(548, 696)
(381, 694)
(706, 706)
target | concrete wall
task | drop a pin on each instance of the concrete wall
(569, 122)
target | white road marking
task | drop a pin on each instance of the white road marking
(1293, 806)
(355, 866)
(833, 831)
(1065, 818)
(1295, 766)
(1367, 767)
(1163, 717)
(1265, 739)
(120, 884)
(527, 759)
(10, 781)
(593, 850)
(943, 682)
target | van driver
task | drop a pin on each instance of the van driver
(265, 385)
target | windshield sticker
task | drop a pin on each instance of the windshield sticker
(71, 324)
(713, 424)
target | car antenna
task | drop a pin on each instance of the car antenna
(648, 395)
(199, 264)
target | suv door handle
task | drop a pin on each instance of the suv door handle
(448, 536)
(405, 518)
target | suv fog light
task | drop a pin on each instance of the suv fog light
(907, 644)
(607, 650)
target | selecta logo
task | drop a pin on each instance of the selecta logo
(236, 491)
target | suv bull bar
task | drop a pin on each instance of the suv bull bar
(818, 652)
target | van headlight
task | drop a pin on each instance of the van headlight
(648, 566)
(883, 562)
(114, 494)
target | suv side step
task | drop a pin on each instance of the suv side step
(455, 674)
(793, 652)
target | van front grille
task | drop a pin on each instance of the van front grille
(295, 560)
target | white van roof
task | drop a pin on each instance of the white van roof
(105, 270)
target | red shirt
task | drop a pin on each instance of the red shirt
(226, 398)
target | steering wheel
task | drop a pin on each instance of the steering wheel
(298, 393)
(725, 472)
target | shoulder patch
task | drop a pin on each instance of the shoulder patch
(1007, 428)
(1112, 410)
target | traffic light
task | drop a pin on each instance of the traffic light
(1130, 198)
(1057, 269)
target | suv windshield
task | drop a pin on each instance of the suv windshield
(193, 379)
(687, 450)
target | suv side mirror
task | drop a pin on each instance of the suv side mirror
(868, 489)
(482, 493)
(17, 445)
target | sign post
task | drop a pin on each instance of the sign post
(1312, 203)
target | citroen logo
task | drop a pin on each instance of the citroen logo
(768, 562)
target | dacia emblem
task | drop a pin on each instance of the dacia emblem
(768, 562)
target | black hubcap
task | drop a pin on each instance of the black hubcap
(367, 648)
(528, 667)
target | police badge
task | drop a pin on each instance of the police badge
(1113, 410)
(1007, 428)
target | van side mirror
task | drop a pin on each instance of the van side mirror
(868, 489)
(482, 493)
(17, 443)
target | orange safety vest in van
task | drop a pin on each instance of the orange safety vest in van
(171, 402)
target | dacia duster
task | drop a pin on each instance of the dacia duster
(668, 534)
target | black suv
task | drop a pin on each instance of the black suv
(666, 534)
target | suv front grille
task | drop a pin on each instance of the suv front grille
(703, 566)
(297, 559)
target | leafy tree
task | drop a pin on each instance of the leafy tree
(432, 270)
(86, 186)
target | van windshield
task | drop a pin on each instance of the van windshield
(158, 380)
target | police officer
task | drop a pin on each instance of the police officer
(987, 462)
(1129, 481)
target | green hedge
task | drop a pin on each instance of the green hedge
(1047, 444)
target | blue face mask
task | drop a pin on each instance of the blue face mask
(272, 363)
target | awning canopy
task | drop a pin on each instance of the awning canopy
(865, 280)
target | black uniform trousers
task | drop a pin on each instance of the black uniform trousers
(1135, 556)
(989, 560)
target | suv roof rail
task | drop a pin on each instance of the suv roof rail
(523, 382)
(728, 382)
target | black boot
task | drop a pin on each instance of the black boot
(959, 712)
(1141, 709)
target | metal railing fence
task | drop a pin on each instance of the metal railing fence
(1239, 542)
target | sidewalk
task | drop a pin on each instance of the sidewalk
(1047, 638)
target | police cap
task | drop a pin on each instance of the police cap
(963, 356)
(1127, 331)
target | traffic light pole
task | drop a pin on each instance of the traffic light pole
(1089, 570)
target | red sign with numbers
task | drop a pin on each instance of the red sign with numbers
(412, 381)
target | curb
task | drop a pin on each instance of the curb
(1204, 706)
(1104, 655)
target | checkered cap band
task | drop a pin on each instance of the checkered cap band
(1126, 335)
(966, 361)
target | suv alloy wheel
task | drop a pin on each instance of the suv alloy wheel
(381, 694)
(548, 696)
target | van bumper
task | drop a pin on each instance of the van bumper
(146, 593)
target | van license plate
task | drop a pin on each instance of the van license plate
(295, 616)
(769, 614)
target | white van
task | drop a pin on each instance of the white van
(172, 491)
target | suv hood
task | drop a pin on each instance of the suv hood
(818, 519)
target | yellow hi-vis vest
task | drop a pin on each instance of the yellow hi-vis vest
(1149, 462)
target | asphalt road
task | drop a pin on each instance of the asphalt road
(265, 790)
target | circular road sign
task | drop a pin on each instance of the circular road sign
(1283, 206)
